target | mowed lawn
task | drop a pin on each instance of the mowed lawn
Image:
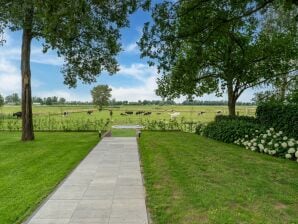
(30, 171)
(194, 180)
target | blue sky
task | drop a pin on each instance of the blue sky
(135, 80)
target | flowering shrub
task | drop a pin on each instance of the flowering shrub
(229, 130)
(271, 142)
(282, 117)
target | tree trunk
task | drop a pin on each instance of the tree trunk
(27, 122)
(283, 87)
(231, 101)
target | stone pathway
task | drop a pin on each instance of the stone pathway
(106, 188)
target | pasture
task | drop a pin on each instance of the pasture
(76, 118)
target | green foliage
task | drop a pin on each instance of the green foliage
(85, 33)
(101, 95)
(282, 117)
(213, 46)
(1, 100)
(13, 98)
(219, 118)
(230, 130)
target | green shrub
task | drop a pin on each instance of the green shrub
(279, 116)
(238, 118)
(230, 130)
(200, 128)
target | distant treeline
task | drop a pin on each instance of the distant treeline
(55, 100)
(214, 103)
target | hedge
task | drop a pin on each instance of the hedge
(279, 116)
(230, 130)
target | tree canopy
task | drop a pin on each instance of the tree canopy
(217, 46)
(101, 95)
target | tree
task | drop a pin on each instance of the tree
(1, 100)
(13, 98)
(214, 46)
(62, 100)
(85, 33)
(101, 95)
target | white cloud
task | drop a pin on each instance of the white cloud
(145, 90)
(138, 71)
(10, 79)
(142, 92)
(14, 53)
(132, 48)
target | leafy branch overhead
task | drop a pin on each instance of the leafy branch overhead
(219, 46)
(86, 34)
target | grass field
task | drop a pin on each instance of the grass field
(30, 171)
(50, 117)
(191, 179)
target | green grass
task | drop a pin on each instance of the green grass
(30, 171)
(78, 113)
(123, 133)
(191, 179)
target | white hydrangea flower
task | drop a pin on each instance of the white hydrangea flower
(249, 144)
(291, 150)
(261, 147)
(257, 131)
(288, 156)
(264, 136)
(262, 141)
(274, 136)
(296, 154)
(280, 132)
(291, 144)
(271, 129)
(270, 143)
(284, 145)
(255, 144)
(265, 150)
(276, 145)
(269, 134)
(273, 152)
(285, 138)
(246, 136)
(253, 148)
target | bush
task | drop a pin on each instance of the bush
(238, 118)
(279, 116)
(230, 130)
(200, 128)
(272, 143)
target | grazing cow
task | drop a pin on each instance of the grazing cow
(174, 115)
(111, 113)
(89, 112)
(140, 112)
(65, 113)
(219, 112)
(201, 112)
(147, 113)
(123, 114)
(17, 114)
(129, 112)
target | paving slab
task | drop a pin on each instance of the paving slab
(105, 188)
